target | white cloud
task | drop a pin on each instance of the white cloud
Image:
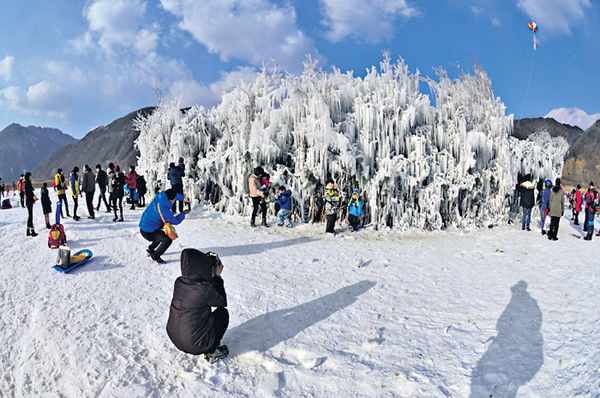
(6, 67)
(555, 15)
(45, 98)
(194, 93)
(574, 117)
(254, 31)
(496, 22)
(364, 20)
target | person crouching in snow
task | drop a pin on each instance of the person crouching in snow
(153, 220)
(332, 206)
(355, 210)
(285, 211)
(193, 327)
(46, 204)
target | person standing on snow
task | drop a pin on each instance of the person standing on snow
(332, 206)
(117, 193)
(61, 187)
(545, 199)
(75, 191)
(355, 206)
(285, 210)
(46, 205)
(175, 176)
(102, 181)
(590, 195)
(257, 194)
(132, 185)
(577, 202)
(30, 200)
(21, 189)
(89, 187)
(192, 326)
(527, 201)
(153, 220)
(556, 208)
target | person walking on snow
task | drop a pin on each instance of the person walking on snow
(545, 199)
(355, 206)
(192, 326)
(61, 187)
(592, 208)
(527, 201)
(577, 202)
(132, 185)
(102, 181)
(556, 208)
(117, 191)
(46, 204)
(89, 187)
(332, 206)
(153, 220)
(257, 194)
(285, 210)
(590, 195)
(175, 176)
(75, 191)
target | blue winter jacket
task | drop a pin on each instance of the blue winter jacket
(546, 197)
(151, 220)
(285, 200)
(175, 174)
(355, 207)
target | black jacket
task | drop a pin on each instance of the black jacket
(46, 203)
(29, 194)
(190, 325)
(141, 185)
(527, 194)
(102, 180)
(118, 182)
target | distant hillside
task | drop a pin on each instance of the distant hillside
(21, 148)
(582, 163)
(110, 143)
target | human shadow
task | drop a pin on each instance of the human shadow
(97, 263)
(516, 354)
(255, 248)
(268, 330)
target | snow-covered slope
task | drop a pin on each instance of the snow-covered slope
(475, 312)
(416, 165)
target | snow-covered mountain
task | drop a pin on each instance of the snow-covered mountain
(416, 165)
(110, 143)
(21, 148)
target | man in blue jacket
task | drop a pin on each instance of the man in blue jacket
(153, 220)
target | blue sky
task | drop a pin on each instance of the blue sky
(75, 65)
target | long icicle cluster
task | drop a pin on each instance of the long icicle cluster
(416, 165)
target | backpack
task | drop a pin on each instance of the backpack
(56, 236)
(6, 204)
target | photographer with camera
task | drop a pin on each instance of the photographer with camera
(155, 224)
(193, 327)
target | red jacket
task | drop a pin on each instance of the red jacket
(131, 180)
(590, 195)
(578, 200)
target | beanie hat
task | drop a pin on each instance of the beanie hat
(355, 192)
(180, 160)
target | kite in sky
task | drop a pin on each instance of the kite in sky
(534, 28)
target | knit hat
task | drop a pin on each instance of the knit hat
(180, 161)
(356, 192)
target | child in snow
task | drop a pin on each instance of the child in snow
(354, 210)
(46, 204)
(193, 327)
(332, 205)
(285, 203)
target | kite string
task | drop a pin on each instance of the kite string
(525, 97)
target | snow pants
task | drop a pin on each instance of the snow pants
(102, 198)
(89, 200)
(590, 225)
(63, 198)
(354, 221)
(220, 324)
(283, 216)
(331, 219)
(553, 233)
(160, 242)
(526, 221)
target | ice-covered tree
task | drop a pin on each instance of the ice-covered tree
(417, 165)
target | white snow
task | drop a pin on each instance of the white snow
(440, 314)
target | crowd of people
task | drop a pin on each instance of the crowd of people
(551, 200)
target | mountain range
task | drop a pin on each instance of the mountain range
(104, 144)
(21, 148)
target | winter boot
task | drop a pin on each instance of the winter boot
(48, 226)
(28, 231)
(33, 232)
(221, 352)
(264, 222)
(252, 222)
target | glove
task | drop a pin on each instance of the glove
(262, 187)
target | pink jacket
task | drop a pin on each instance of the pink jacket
(132, 180)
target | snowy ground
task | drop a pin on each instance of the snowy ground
(480, 313)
